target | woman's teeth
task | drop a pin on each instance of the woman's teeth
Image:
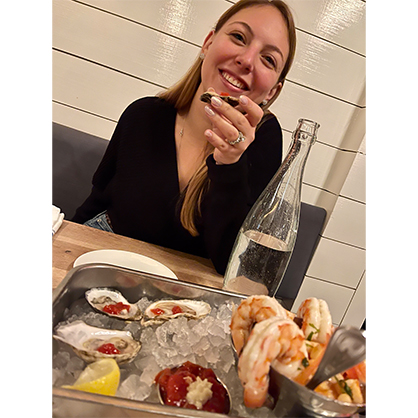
(233, 81)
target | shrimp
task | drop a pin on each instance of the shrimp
(357, 372)
(276, 342)
(307, 372)
(316, 320)
(254, 309)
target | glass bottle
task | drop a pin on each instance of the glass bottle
(267, 237)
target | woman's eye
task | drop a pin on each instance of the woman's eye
(238, 36)
(270, 61)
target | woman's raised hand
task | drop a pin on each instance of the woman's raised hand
(230, 125)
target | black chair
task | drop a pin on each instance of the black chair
(76, 156)
(311, 221)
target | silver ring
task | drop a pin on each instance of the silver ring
(241, 138)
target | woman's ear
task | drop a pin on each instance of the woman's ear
(274, 91)
(208, 41)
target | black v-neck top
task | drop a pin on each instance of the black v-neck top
(137, 183)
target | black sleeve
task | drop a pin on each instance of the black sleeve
(234, 189)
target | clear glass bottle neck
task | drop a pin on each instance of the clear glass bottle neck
(298, 151)
(305, 130)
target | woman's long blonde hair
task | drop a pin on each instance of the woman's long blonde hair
(181, 96)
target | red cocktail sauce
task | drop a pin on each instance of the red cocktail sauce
(175, 310)
(116, 309)
(173, 387)
(108, 348)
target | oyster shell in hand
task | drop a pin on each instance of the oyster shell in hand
(206, 97)
(112, 303)
(167, 309)
(92, 343)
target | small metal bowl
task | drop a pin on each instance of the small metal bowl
(295, 400)
(160, 398)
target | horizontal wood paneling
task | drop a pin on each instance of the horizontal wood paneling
(356, 311)
(95, 89)
(82, 121)
(355, 184)
(332, 114)
(345, 267)
(327, 68)
(121, 44)
(186, 19)
(342, 22)
(318, 197)
(319, 169)
(347, 223)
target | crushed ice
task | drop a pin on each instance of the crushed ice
(204, 341)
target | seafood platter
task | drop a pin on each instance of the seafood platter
(187, 350)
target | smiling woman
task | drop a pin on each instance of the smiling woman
(247, 55)
(183, 174)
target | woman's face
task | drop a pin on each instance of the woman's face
(247, 55)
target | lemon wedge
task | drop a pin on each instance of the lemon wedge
(101, 377)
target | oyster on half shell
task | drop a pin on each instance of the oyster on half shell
(112, 303)
(85, 341)
(167, 309)
(207, 96)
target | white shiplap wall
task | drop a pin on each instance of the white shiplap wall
(107, 53)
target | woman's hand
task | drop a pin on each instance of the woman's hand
(227, 122)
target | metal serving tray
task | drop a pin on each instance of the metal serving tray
(134, 285)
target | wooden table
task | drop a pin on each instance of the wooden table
(73, 240)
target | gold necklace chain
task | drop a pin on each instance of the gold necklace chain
(182, 129)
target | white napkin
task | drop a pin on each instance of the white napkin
(57, 218)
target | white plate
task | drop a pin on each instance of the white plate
(126, 259)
